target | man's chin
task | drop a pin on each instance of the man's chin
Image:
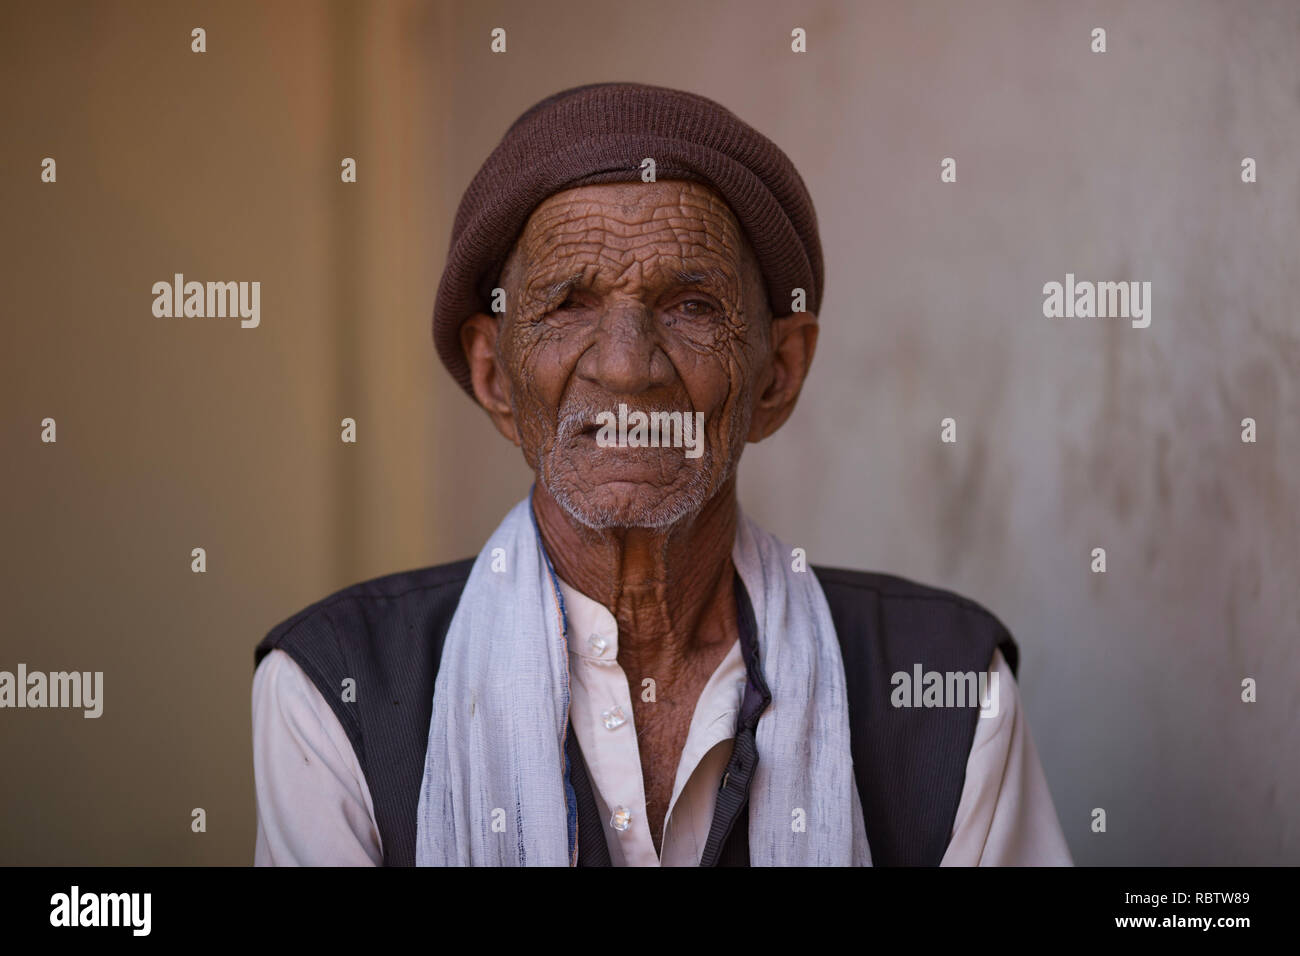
(623, 503)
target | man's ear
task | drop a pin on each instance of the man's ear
(794, 340)
(478, 340)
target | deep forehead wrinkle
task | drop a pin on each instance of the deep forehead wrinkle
(659, 271)
(686, 218)
(688, 237)
(592, 240)
(688, 203)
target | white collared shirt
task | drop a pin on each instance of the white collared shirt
(314, 807)
(600, 708)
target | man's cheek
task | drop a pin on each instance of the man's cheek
(531, 422)
(535, 432)
(543, 357)
(731, 424)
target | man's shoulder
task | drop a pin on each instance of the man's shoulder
(891, 588)
(414, 598)
(908, 613)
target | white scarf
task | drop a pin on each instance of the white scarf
(495, 790)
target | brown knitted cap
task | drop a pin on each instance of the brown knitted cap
(600, 133)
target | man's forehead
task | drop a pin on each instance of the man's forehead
(658, 267)
(636, 204)
(678, 230)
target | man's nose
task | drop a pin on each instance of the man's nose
(627, 356)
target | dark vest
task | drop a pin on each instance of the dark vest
(909, 762)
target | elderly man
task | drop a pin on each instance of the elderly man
(632, 672)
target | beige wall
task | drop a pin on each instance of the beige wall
(174, 434)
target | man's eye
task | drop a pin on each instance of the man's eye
(697, 307)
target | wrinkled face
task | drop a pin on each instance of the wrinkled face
(644, 295)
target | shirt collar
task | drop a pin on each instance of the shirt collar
(593, 635)
(593, 630)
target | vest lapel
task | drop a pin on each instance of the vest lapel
(592, 848)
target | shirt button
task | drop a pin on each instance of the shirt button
(597, 644)
(621, 819)
(613, 718)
